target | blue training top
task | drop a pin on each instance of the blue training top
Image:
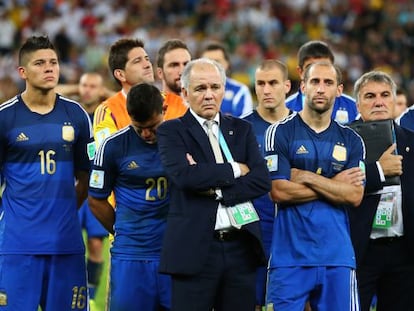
(237, 99)
(263, 205)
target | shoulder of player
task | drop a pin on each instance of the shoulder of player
(72, 107)
(345, 98)
(117, 139)
(234, 84)
(9, 103)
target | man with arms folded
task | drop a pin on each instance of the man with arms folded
(315, 170)
(213, 163)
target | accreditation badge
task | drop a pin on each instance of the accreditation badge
(339, 153)
(68, 133)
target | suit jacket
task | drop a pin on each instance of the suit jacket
(192, 214)
(362, 217)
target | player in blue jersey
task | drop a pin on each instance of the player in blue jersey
(128, 163)
(406, 116)
(44, 139)
(315, 168)
(91, 88)
(237, 99)
(344, 109)
(271, 86)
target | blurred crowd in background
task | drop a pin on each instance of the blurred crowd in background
(364, 34)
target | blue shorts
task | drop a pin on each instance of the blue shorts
(53, 282)
(88, 221)
(137, 285)
(326, 288)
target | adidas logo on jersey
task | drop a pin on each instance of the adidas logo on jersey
(132, 165)
(302, 150)
(22, 137)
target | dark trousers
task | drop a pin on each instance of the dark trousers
(226, 283)
(387, 271)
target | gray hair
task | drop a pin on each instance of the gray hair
(186, 74)
(374, 76)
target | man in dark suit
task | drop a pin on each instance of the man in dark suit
(385, 250)
(212, 262)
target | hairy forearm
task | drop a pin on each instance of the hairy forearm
(335, 191)
(288, 192)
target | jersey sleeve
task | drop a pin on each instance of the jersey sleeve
(357, 151)
(276, 152)
(85, 146)
(103, 124)
(102, 178)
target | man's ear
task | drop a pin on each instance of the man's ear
(119, 74)
(160, 73)
(22, 72)
(302, 86)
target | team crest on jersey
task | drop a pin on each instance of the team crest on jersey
(339, 153)
(68, 133)
(97, 179)
(3, 298)
(229, 94)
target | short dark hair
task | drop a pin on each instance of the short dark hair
(214, 46)
(169, 45)
(118, 53)
(143, 101)
(314, 49)
(33, 44)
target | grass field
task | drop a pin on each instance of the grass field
(101, 293)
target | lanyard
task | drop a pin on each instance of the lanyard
(224, 147)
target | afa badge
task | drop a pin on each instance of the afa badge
(68, 133)
(339, 153)
(3, 298)
(97, 179)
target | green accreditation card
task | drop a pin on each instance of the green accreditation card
(91, 150)
(242, 214)
(384, 216)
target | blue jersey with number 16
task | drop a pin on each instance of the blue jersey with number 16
(39, 154)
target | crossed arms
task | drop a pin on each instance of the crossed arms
(345, 187)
